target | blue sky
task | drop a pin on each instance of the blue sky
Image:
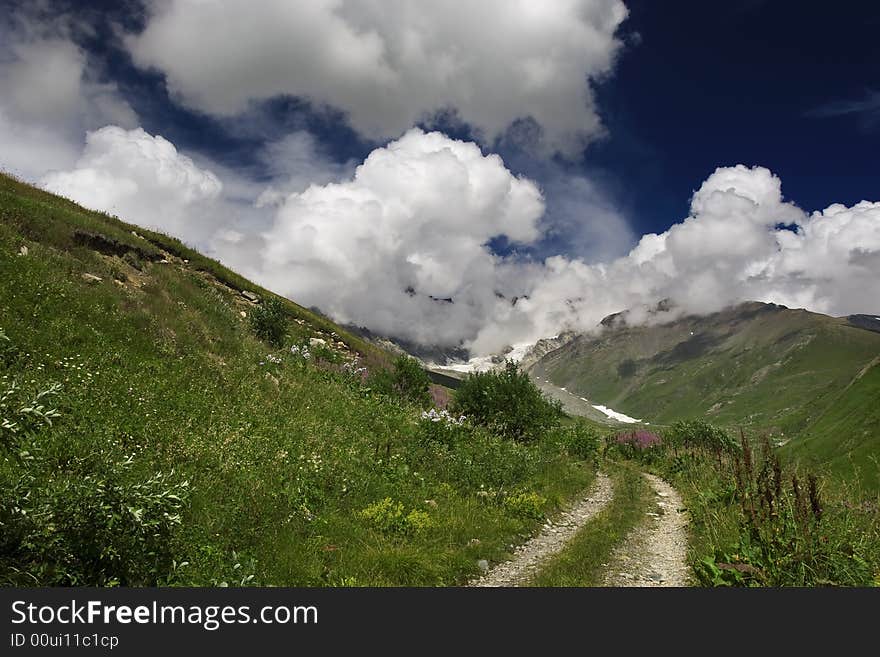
(611, 114)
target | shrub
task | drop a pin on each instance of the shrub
(20, 416)
(99, 526)
(406, 380)
(508, 403)
(268, 321)
(698, 434)
(579, 440)
(442, 427)
(74, 520)
(131, 259)
(639, 444)
(529, 506)
(389, 517)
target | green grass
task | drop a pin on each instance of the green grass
(580, 563)
(843, 441)
(781, 542)
(273, 462)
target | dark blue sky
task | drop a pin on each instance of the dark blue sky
(793, 86)
(720, 83)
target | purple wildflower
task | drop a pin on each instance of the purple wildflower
(639, 439)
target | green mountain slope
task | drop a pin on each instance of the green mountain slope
(845, 438)
(799, 374)
(149, 437)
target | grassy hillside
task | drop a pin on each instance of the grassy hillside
(845, 438)
(801, 375)
(149, 437)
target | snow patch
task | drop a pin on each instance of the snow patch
(620, 417)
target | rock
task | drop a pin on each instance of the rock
(136, 235)
(474, 542)
(317, 342)
(655, 577)
(91, 278)
(250, 296)
(431, 503)
(242, 313)
(483, 565)
(23, 251)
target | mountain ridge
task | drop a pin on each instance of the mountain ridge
(764, 367)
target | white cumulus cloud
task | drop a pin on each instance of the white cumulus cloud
(142, 179)
(390, 64)
(388, 247)
(741, 241)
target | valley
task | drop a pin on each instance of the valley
(168, 422)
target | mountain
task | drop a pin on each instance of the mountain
(808, 378)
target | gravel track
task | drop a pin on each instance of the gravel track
(655, 552)
(554, 535)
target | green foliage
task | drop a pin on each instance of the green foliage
(789, 536)
(268, 321)
(22, 415)
(580, 440)
(442, 427)
(638, 444)
(526, 505)
(81, 521)
(759, 524)
(699, 434)
(508, 403)
(389, 516)
(8, 351)
(405, 380)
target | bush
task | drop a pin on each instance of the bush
(130, 258)
(389, 517)
(91, 523)
(639, 444)
(442, 427)
(8, 352)
(72, 520)
(579, 440)
(529, 506)
(268, 321)
(698, 434)
(406, 380)
(20, 416)
(507, 403)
